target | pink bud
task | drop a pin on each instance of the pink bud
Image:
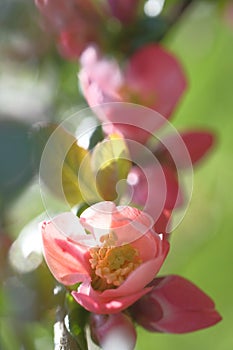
(115, 331)
(175, 305)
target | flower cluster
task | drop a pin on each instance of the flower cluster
(115, 252)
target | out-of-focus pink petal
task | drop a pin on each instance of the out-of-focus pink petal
(174, 194)
(149, 189)
(113, 332)
(100, 305)
(197, 142)
(158, 76)
(100, 78)
(67, 261)
(156, 188)
(175, 305)
(123, 10)
(131, 120)
(163, 224)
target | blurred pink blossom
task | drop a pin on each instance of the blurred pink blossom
(75, 23)
(152, 77)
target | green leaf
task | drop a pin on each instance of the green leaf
(111, 163)
(77, 319)
(81, 208)
(96, 137)
(61, 158)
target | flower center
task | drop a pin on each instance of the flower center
(111, 265)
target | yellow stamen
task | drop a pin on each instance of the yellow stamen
(111, 265)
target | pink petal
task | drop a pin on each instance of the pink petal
(128, 223)
(188, 321)
(174, 195)
(115, 331)
(66, 260)
(155, 72)
(149, 189)
(156, 188)
(175, 305)
(197, 142)
(147, 246)
(126, 118)
(138, 279)
(99, 305)
(162, 224)
(100, 79)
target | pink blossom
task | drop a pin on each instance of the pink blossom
(114, 262)
(114, 331)
(75, 23)
(152, 77)
(175, 305)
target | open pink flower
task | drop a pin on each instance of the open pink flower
(174, 305)
(114, 262)
(152, 77)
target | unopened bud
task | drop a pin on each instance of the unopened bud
(113, 332)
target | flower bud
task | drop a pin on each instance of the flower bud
(113, 332)
(174, 305)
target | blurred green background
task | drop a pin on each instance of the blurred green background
(36, 85)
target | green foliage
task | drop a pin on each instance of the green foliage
(96, 137)
(111, 164)
(61, 158)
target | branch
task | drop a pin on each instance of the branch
(62, 338)
(178, 11)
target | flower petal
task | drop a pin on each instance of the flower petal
(99, 305)
(153, 70)
(163, 223)
(175, 305)
(197, 142)
(66, 260)
(115, 331)
(138, 279)
(128, 223)
(156, 189)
